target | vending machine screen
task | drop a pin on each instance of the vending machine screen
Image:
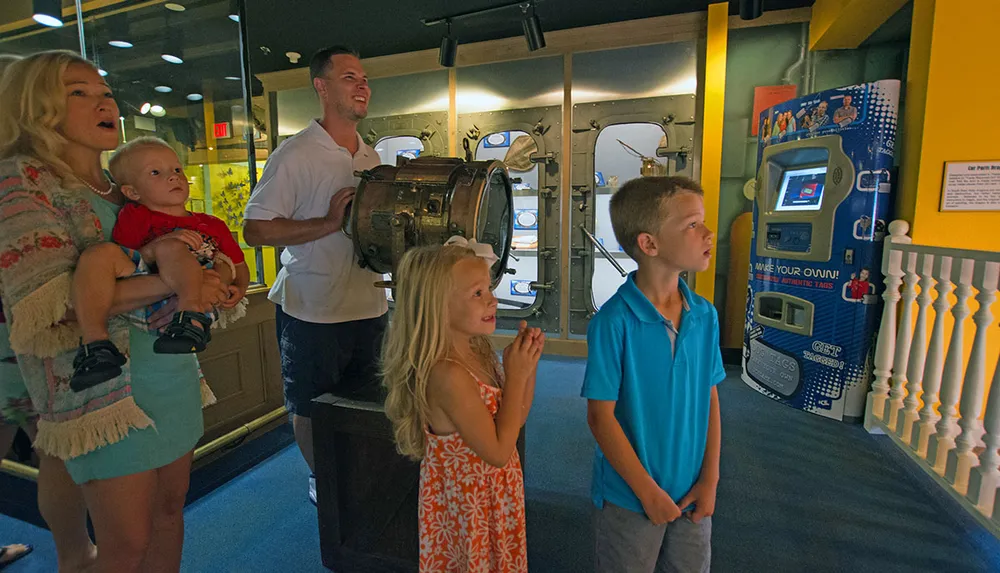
(801, 189)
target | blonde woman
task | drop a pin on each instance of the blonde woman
(452, 409)
(60, 501)
(128, 441)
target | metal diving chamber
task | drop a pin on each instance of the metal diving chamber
(426, 201)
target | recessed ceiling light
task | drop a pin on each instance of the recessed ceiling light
(195, 97)
(233, 78)
(173, 6)
(102, 72)
(158, 111)
(145, 108)
(164, 89)
(120, 44)
(172, 59)
(46, 20)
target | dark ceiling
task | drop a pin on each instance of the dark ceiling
(210, 39)
(381, 27)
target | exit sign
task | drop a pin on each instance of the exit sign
(222, 130)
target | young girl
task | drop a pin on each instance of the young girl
(453, 407)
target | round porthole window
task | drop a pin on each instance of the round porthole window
(527, 219)
(522, 287)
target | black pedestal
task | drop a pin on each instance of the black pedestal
(367, 492)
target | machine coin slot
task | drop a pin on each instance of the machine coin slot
(771, 307)
(795, 315)
(784, 312)
(848, 256)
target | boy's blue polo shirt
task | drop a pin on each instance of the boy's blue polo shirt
(662, 397)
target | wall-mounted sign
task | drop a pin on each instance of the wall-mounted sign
(971, 186)
(768, 96)
(222, 130)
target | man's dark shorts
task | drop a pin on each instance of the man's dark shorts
(340, 358)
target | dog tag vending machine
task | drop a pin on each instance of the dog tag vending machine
(823, 196)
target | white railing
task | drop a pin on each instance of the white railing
(928, 393)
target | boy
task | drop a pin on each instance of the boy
(652, 366)
(859, 286)
(154, 229)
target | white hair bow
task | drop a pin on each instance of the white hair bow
(484, 250)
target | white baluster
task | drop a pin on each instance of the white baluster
(934, 367)
(983, 480)
(904, 336)
(886, 344)
(918, 350)
(962, 459)
(951, 384)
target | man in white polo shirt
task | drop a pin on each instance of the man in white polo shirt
(330, 315)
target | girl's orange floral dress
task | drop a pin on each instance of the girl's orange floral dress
(471, 513)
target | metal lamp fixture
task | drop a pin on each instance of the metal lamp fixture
(449, 49)
(47, 12)
(751, 9)
(532, 29)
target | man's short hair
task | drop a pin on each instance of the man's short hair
(320, 62)
(122, 165)
(638, 208)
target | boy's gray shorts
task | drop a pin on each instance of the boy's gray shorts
(628, 542)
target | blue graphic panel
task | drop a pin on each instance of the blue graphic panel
(828, 369)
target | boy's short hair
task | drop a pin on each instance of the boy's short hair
(122, 165)
(638, 207)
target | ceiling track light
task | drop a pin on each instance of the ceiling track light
(751, 9)
(449, 50)
(47, 12)
(532, 28)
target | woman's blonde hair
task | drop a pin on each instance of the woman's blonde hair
(33, 105)
(6, 60)
(418, 338)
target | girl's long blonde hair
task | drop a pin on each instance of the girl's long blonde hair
(418, 338)
(33, 105)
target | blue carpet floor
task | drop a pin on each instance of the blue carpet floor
(798, 493)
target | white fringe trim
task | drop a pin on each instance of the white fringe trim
(35, 326)
(109, 425)
(227, 316)
(207, 396)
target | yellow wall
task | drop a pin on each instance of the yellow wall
(952, 79)
(845, 24)
(711, 142)
(951, 93)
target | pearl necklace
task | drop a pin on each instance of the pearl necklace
(111, 187)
